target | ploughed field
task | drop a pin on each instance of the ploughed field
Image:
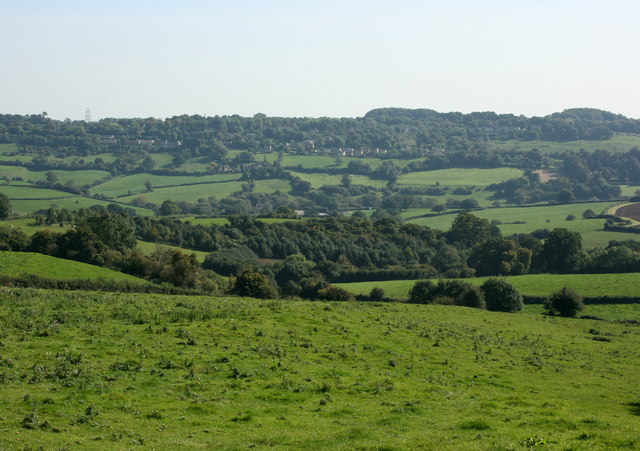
(84, 370)
(631, 211)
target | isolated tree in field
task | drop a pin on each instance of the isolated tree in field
(5, 206)
(501, 296)
(562, 251)
(252, 284)
(565, 302)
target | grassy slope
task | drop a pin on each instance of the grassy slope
(19, 264)
(530, 284)
(119, 371)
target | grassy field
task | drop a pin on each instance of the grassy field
(459, 177)
(318, 180)
(115, 371)
(31, 192)
(136, 183)
(18, 264)
(529, 285)
(618, 143)
(533, 218)
(189, 193)
(25, 207)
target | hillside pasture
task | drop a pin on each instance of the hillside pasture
(590, 285)
(97, 371)
(21, 264)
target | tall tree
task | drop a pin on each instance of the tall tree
(5, 206)
(562, 251)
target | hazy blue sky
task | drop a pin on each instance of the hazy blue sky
(317, 58)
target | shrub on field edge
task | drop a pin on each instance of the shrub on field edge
(501, 296)
(565, 302)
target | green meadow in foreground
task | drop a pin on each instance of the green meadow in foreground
(83, 370)
(590, 285)
(19, 264)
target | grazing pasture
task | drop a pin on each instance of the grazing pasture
(93, 371)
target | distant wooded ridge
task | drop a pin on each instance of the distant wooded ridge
(384, 130)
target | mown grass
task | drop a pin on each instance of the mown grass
(19, 264)
(96, 371)
(591, 285)
(459, 177)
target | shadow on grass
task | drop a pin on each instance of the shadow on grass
(633, 407)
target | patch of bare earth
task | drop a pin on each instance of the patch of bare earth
(631, 211)
(545, 176)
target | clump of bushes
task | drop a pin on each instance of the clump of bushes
(447, 292)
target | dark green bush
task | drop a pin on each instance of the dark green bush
(501, 296)
(565, 302)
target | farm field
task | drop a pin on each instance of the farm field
(533, 218)
(167, 372)
(15, 192)
(136, 183)
(19, 264)
(589, 285)
(459, 177)
(618, 143)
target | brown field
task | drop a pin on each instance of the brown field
(545, 176)
(631, 211)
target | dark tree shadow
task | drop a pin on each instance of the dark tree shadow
(633, 407)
